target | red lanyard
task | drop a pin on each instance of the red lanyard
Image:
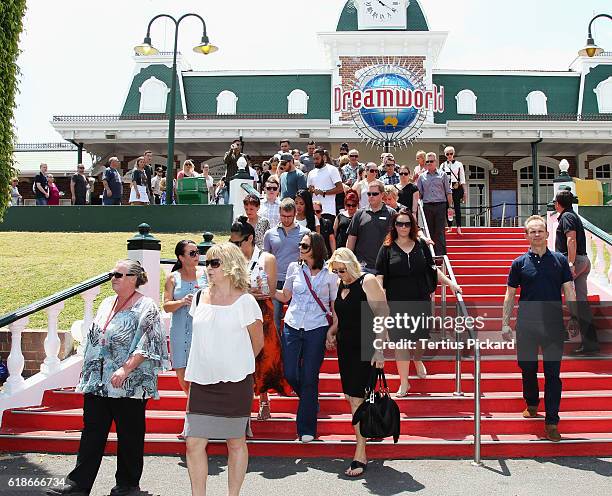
(111, 315)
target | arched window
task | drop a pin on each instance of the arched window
(466, 102)
(548, 169)
(604, 96)
(602, 171)
(536, 103)
(153, 96)
(297, 102)
(226, 103)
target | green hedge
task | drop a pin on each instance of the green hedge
(11, 24)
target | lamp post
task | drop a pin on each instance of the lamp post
(591, 49)
(147, 49)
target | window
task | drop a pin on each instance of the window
(536, 103)
(153, 96)
(466, 102)
(297, 102)
(604, 174)
(476, 173)
(604, 96)
(545, 189)
(226, 103)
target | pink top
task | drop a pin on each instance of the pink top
(54, 194)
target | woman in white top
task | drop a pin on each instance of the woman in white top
(227, 336)
(361, 187)
(306, 323)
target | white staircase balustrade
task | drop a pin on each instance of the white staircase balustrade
(52, 341)
(89, 297)
(16, 360)
(599, 264)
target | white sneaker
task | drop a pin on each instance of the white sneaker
(307, 438)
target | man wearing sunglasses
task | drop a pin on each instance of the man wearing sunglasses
(390, 177)
(292, 179)
(435, 191)
(456, 178)
(369, 227)
(270, 207)
(351, 170)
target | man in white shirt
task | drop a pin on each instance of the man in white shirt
(210, 182)
(456, 179)
(324, 182)
(270, 206)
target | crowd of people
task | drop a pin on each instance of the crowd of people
(299, 276)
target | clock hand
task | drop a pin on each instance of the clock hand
(385, 5)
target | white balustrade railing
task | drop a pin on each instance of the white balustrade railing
(52, 341)
(600, 271)
(16, 361)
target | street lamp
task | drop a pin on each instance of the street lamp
(591, 49)
(147, 49)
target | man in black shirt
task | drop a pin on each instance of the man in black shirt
(78, 186)
(41, 186)
(571, 241)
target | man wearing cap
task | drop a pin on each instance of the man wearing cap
(292, 179)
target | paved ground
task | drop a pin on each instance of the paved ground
(167, 476)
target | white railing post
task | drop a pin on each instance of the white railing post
(147, 249)
(599, 264)
(88, 297)
(609, 248)
(589, 244)
(52, 341)
(16, 361)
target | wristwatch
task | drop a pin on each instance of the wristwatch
(323, 194)
(571, 264)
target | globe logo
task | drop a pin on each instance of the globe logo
(388, 120)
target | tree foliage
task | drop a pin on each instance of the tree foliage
(11, 24)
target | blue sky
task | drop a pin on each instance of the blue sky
(77, 54)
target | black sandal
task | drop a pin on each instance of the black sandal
(354, 466)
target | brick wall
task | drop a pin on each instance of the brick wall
(33, 347)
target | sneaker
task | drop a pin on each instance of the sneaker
(552, 433)
(307, 438)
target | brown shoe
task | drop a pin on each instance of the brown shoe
(552, 433)
(530, 412)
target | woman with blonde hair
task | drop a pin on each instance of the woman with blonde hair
(227, 336)
(138, 190)
(354, 320)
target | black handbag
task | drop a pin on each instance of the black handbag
(431, 271)
(378, 416)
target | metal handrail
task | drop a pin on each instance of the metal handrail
(49, 301)
(462, 310)
(593, 229)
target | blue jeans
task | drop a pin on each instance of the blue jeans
(42, 201)
(303, 353)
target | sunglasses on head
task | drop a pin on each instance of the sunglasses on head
(402, 224)
(373, 193)
(119, 275)
(214, 263)
(339, 271)
(239, 242)
(271, 188)
(304, 246)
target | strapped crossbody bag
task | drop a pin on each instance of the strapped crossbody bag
(328, 316)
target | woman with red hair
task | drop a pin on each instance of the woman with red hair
(343, 220)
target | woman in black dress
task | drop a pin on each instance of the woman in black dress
(401, 266)
(343, 220)
(353, 335)
(408, 193)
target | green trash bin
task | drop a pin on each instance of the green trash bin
(192, 191)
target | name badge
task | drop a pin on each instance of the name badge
(382, 218)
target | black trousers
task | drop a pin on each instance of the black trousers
(457, 197)
(435, 215)
(528, 341)
(98, 414)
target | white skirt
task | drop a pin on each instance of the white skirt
(144, 197)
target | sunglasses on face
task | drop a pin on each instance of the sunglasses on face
(372, 170)
(390, 164)
(350, 205)
(119, 275)
(271, 188)
(404, 173)
(238, 243)
(193, 253)
(403, 224)
(304, 246)
(339, 271)
(353, 156)
(429, 161)
(449, 154)
(373, 193)
(214, 263)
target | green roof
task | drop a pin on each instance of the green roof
(259, 94)
(592, 79)
(416, 18)
(507, 94)
(161, 72)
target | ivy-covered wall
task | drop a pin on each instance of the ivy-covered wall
(11, 19)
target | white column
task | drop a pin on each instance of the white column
(147, 249)
(15, 361)
(551, 226)
(52, 341)
(88, 297)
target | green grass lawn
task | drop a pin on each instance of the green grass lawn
(35, 265)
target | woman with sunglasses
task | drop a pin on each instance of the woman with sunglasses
(401, 268)
(304, 211)
(311, 290)
(343, 220)
(261, 224)
(354, 318)
(408, 193)
(227, 336)
(124, 351)
(361, 187)
(262, 270)
(181, 284)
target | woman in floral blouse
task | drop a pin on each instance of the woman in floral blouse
(125, 350)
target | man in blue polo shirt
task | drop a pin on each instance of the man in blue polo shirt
(542, 275)
(283, 242)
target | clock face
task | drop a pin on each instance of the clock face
(382, 14)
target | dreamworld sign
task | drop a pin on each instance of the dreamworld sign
(388, 104)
